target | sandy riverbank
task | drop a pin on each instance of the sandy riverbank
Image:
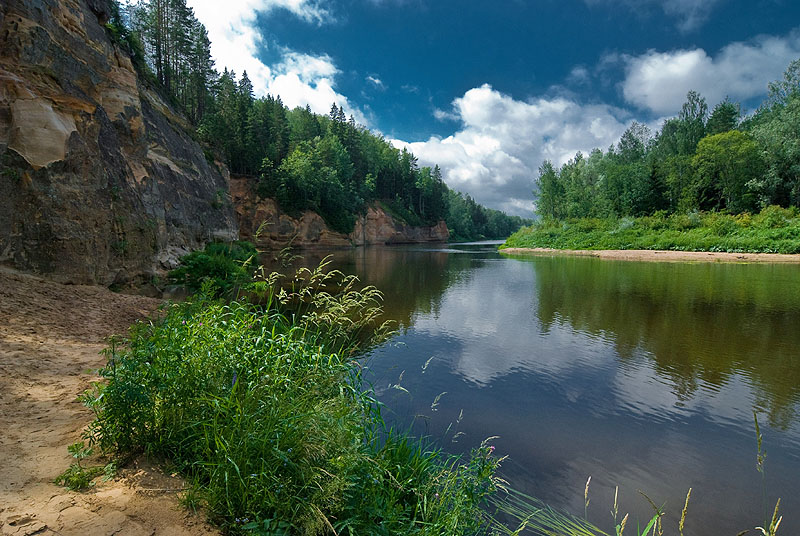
(659, 255)
(50, 339)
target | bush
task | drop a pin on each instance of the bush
(774, 230)
(265, 412)
(225, 265)
(774, 216)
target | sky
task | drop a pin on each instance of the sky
(490, 89)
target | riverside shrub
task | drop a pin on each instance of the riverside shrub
(267, 416)
(773, 230)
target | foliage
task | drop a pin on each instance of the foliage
(77, 477)
(696, 161)
(263, 408)
(467, 220)
(773, 230)
(725, 164)
(165, 39)
(225, 265)
(328, 164)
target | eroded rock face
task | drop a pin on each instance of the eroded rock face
(379, 227)
(100, 181)
(262, 222)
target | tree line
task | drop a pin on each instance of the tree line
(720, 160)
(326, 163)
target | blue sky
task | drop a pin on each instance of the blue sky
(490, 89)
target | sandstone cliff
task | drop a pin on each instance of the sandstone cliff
(279, 229)
(100, 180)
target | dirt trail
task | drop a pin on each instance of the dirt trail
(50, 339)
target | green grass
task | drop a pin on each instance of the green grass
(774, 230)
(263, 409)
(261, 405)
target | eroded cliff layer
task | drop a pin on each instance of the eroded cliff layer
(262, 222)
(100, 180)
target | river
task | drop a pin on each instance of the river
(641, 375)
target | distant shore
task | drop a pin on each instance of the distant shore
(660, 255)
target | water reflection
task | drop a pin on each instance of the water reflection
(413, 279)
(706, 327)
(642, 375)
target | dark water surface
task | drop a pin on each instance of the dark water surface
(642, 375)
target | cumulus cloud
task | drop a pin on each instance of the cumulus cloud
(579, 75)
(659, 81)
(298, 78)
(691, 14)
(496, 153)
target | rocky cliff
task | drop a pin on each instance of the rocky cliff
(100, 179)
(279, 229)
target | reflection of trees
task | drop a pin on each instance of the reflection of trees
(412, 280)
(703, 323)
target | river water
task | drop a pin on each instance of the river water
(641, 375)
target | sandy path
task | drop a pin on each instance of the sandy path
(659, 255)
(50, 339)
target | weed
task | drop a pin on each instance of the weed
(772, 529)
(220, 199)
(120, 246)
(192, 499)
(77, 477)
(538, 518)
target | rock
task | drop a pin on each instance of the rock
(39, 133)
(379, 227)
(100, 179)
(262, 222)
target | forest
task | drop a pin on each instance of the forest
(325, 163)
(700, 161)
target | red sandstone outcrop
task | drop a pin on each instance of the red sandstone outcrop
(278, 229)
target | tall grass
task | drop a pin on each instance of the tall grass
(259, 402)
(263, 409)
(773, 230)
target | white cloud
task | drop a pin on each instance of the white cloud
(442, 115)
(659, 81)
(377, 82)
(308, 10)
(496, 154)
(691, 14)
(299, 79)
(302, 79)
(579, 75)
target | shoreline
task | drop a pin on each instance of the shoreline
(655, 255)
